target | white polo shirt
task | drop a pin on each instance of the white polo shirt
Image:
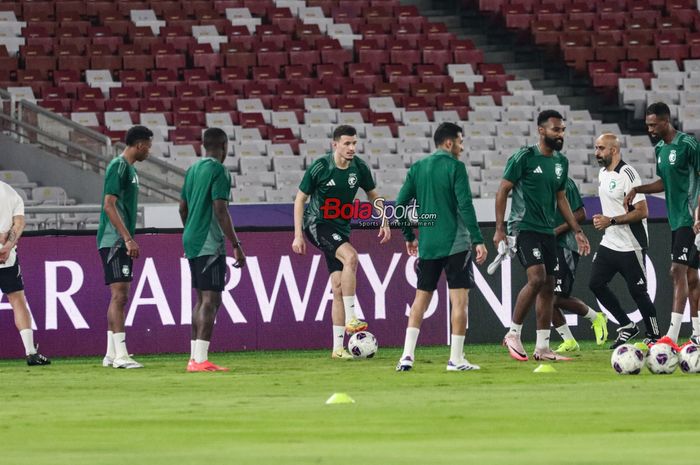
(612, 188)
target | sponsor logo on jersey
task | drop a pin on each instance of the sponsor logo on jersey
(538, 170)
(683, 257)
(330, 183)
(640, 282)
(352, 179)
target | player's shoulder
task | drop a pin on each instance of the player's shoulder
(524, 152)
(628, 170)
(360, 163)
(688, 139)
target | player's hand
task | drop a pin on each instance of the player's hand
(628, 199)
(584, 248)
(412, 247)
(299, 245)
(384, 234)
(132, 248)
(481, 253)
(498, 237)
(600, 222)
(239, 255)
(3, 237)
(5, 253)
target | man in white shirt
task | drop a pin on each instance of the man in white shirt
(11, 284)
(625, 241)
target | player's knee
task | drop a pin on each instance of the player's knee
(537, 281)
(120, 298)
(350, 260)
(677, 272)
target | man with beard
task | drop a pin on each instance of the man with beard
(678, 166)
(625, 241)
(537, 176)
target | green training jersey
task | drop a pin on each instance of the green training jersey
(678, 164)
(329, 185)
(447, 220)
(537, 179)
(122, 181)
(205, 181)
(567, 240)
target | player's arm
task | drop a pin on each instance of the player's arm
(299, 244)
(406, 194)
(378, 204)
(640, 211)
(112, 212)
(184, 211)
(11, 238)
(652, 188)
(465, 208)
(579, 214)
(584, 247)
(223, 217)
(696, 217)
(501, 201)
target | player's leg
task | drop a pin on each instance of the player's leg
(681, 255)
(23, 323)
(607, 263)
(694, 299)
(427, 276)
(193, 329)
(634, 272)
(335, 268)
(460, 278)
(116, 317)
(347, 255)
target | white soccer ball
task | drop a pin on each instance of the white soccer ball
(661, 359)
(690, 359)
(363, 345)
(627, 360)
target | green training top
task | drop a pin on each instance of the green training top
(447, 220)
(323, 180)
(677, 164)
(567, 240)
(537, 180)
(205, 181)
(121, 181)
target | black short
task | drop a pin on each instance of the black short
(607, 263)
(537, 249)
(327, 239)
(458, 271)
(683, 249)
(119, 269)
(11, 278)
(208, 272)
(565, 271)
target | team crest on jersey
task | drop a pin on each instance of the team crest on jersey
(612, 186)
(672, 157)
(536, 253)
(126, 271)
(352, 179)
(558, 170)
(336, 237)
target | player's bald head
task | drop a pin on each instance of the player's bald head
(608, 140)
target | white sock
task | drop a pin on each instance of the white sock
(591, 315)
(201, 351)
(457, 349)
(27, 336)
(696, 326)
(565, 332)
(120, 345)
(675, 327)
(409, 343)
(542, 339)
(110, 345)
(349, 304)
(193, 344)
(338, 334)
(515, 329)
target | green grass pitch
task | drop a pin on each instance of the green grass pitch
(271, 410)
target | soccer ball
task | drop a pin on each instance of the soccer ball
(363, 345)
(661, 359)
(627, 360)
(690, 359)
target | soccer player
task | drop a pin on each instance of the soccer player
(334, 180)
(115, 239)
(11, 283)
(678, 166)
(440, 185)
(565, 274)
(537, 176)
(625, 241)
(204, 213)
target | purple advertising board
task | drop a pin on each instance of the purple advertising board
(278, 301)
